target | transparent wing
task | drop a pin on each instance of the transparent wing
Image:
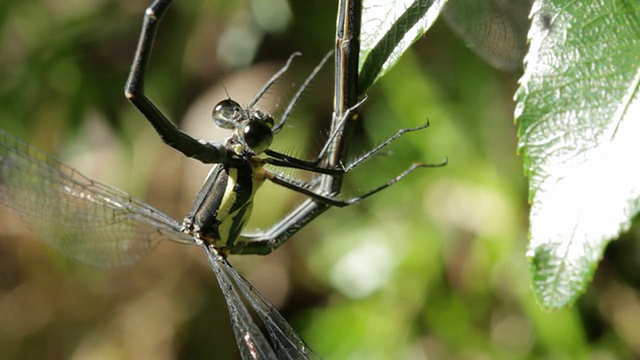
(285, 342)
(251, 342)
(495, 29)
(86, 220)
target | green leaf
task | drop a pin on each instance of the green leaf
(389, 27)
(579, 133)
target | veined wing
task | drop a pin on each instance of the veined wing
(285, 342)
(251, 342)
(84, 219)
(495, 29)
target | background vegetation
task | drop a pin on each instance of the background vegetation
(434, 267)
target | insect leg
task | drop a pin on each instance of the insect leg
(283, 160)
(298, 94)
(265, 242)
(134, 91)
(272, 80)
(331, 200)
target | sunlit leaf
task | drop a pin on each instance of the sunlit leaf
(579, 125)
(389, 27)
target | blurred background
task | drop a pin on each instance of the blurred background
(431, 268)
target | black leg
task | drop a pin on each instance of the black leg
(283, 160)
(271, 81)
(134, 91)
(302, 188)
(301, 90)
(265, 242)
(377, 149)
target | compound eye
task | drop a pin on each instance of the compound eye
(226, 114)
(268, 120)
(257, 135)
(258, 115)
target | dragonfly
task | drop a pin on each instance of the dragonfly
(100, 225)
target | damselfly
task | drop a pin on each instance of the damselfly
(100, 225)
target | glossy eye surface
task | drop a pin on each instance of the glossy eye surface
(268, 120)
(257, 135)
(257, 115)
(226, 114)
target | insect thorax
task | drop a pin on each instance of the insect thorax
(223, 205)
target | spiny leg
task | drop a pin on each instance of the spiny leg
(283, 160)
(295, 163)
(265, 242)
(334, 201)
(371, 152)
(272, 80)
(134, 91)
(298, 94)
(382, 145)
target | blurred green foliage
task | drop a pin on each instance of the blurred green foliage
(433, 267)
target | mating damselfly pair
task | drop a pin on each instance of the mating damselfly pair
(100, 225)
